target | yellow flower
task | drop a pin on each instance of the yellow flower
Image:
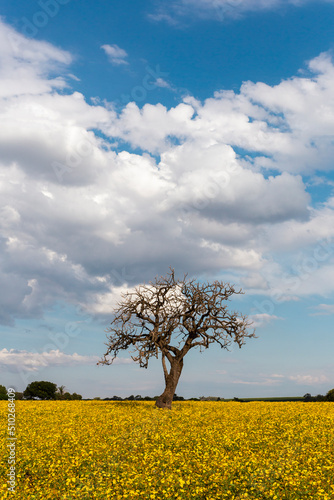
(213, 450)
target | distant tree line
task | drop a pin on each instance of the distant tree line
(42, 390)
(329, 397)
(3, 394)
(140, 398)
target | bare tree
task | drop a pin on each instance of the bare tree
(170, 317)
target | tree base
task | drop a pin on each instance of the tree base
(164, 403)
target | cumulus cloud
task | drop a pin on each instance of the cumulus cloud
(25, 66)
(287, 127)
(116, 55)
(81, 221)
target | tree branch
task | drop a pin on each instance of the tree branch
(164, 367)
(195, 313)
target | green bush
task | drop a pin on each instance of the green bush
(330, 395)
(40, 390)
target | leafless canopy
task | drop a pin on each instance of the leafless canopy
(171, 316)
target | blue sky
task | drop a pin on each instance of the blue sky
(135, 136)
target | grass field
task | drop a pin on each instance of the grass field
(199, 450)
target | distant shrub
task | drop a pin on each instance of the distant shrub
(330, 395)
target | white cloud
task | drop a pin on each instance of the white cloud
(262, 319)
(24, 66)
(15, 359)
(254, 281)
(324, 310)
(115, 54)
(104, 303)
(243, 4)
(287, 127)
(79, 221)
(279, 379)
(160, 82)
(220, 10)
(33, 361)
(309, 379)
(265, 382)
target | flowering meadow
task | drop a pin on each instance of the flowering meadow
(199, 450)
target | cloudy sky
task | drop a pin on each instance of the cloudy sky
(196, 134)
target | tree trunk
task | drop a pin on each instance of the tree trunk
(171, 379)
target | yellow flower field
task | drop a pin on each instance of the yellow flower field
(199, 450)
